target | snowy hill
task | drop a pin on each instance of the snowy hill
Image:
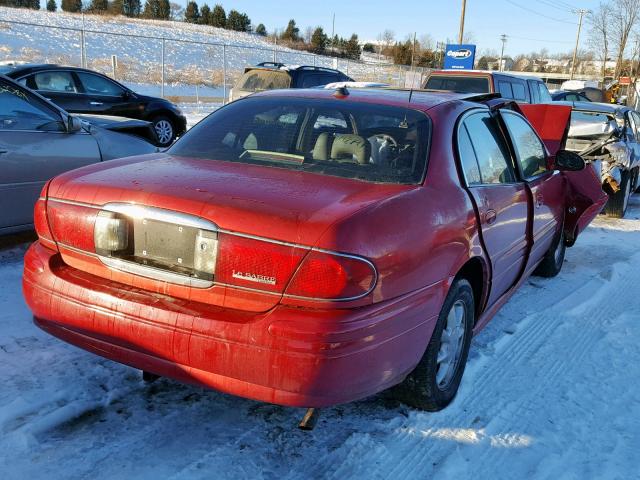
(136, 44)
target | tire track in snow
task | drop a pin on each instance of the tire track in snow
(529, 344)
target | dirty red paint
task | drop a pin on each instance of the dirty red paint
(269, 345)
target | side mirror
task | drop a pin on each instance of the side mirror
(74, 124)
(569, 161)
(126, 95)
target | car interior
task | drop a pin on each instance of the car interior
(361, 142)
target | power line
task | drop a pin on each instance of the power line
(557, 5)
(539, 39)
(538, 13)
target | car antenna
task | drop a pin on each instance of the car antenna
(404, 123)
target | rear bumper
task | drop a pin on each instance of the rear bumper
(289, 356)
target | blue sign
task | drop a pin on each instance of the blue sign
(459, 57)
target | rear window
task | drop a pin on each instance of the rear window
(370, 142)
(458, 83)
(258, 80)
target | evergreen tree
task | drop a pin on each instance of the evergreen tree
(131, 8)
(150, 9)
(352, 48)
(192, 13)
(71, 5)
(319, 41)
(115, 7)
(238, 21)
(291, 33)
(205, 15)
(98, 6)
(261, 30)
(51, 5)
(164, 10)
(218, 17)
(34, 4)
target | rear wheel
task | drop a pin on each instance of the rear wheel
(554, 258)
(433, 384)
(165, 130)
(618, 202)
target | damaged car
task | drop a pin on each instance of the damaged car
(607, 136)
(38, 141)
(310, 247)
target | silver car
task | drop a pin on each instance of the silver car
(39, 141)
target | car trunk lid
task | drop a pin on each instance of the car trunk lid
(173, 206)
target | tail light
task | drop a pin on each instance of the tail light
(332, 276)
(257, 264)
(40, 221)
(296, 271)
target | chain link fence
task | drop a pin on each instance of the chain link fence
(185, 70)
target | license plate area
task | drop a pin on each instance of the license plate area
(160, 244)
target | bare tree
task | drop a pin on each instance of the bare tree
(600, 34)
(624, 16)
(386, 39)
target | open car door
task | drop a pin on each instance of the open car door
(585, 197)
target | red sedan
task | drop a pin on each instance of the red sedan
(310, 247)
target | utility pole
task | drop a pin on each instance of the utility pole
(333, 32)
(582, 12)
(461, 34)
(503, 39)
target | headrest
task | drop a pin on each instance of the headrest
(351, 147)
(321, 148)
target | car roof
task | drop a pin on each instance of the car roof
(290, 68)
(484, 72)
(420, 99)
(27, 68)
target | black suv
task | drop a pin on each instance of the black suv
(271, 76)
(78, 90)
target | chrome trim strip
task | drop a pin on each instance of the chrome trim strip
(77, 250)
(154, 273)
(74, 203)
(160, 214)
(199, 222)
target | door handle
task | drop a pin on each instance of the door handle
(96, 104)
(490, 216)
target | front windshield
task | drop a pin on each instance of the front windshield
(369, 142)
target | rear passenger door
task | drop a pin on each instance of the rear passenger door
(60, 87)
(501, 200)
(546, 187)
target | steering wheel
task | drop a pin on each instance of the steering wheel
(387, 137)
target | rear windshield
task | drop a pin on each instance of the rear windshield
(370, 142)
(458, 83)
(258, 80)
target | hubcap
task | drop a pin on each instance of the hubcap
(451, 343)
(164, 130)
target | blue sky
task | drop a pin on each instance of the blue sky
(486, 19)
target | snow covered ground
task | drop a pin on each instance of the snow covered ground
(139, 59)
(551, 391)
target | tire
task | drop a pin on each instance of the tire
(165, 130)
(636, 181)
(554, 258)
(428, 386)
(617, 205)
